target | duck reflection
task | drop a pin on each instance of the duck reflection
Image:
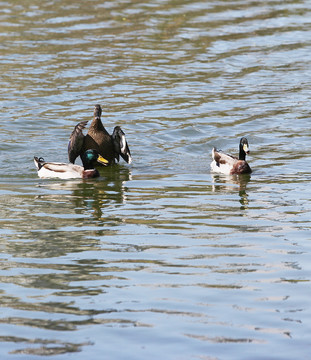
(93, 194)
(230, 183)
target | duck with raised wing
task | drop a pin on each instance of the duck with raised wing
(231, 165)
(111, 147)
(70, 171)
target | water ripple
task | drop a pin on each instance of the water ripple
(162, 258)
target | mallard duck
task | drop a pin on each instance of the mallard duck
(70, 171)
(109, 146)
(230, 165)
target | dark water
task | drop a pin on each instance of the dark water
(160, 259)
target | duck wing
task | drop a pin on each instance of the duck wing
(222, 162)
(120, 145)
(76, 141)
(222, 158)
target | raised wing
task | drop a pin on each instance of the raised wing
(120, 145)
(76, 141)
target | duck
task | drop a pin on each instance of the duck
(70, 171)
(231, 165)
(111, 147)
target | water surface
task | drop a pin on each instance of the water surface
(160, 258)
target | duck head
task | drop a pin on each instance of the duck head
(244, 148)
(90, 157)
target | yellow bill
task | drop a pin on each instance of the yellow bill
(245, 148)
(102, 160)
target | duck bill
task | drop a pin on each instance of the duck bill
(246, 149)
(102, 160)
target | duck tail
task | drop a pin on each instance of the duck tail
(213, 153)
(39, 162)
(97, 111)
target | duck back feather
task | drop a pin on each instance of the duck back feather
(229, 165)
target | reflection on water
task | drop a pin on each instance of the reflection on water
(92, 195)
(231, 183)
(162, 258)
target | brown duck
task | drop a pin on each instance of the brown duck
(230, 165)
(111, 147)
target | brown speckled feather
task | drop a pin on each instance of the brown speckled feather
(240, 167)
(98, 138)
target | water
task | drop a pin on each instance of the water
(160, 258)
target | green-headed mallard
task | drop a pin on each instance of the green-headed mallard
(71, 171)
(230, 165)
(97, 137)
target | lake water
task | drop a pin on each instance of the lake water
(159, 259)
